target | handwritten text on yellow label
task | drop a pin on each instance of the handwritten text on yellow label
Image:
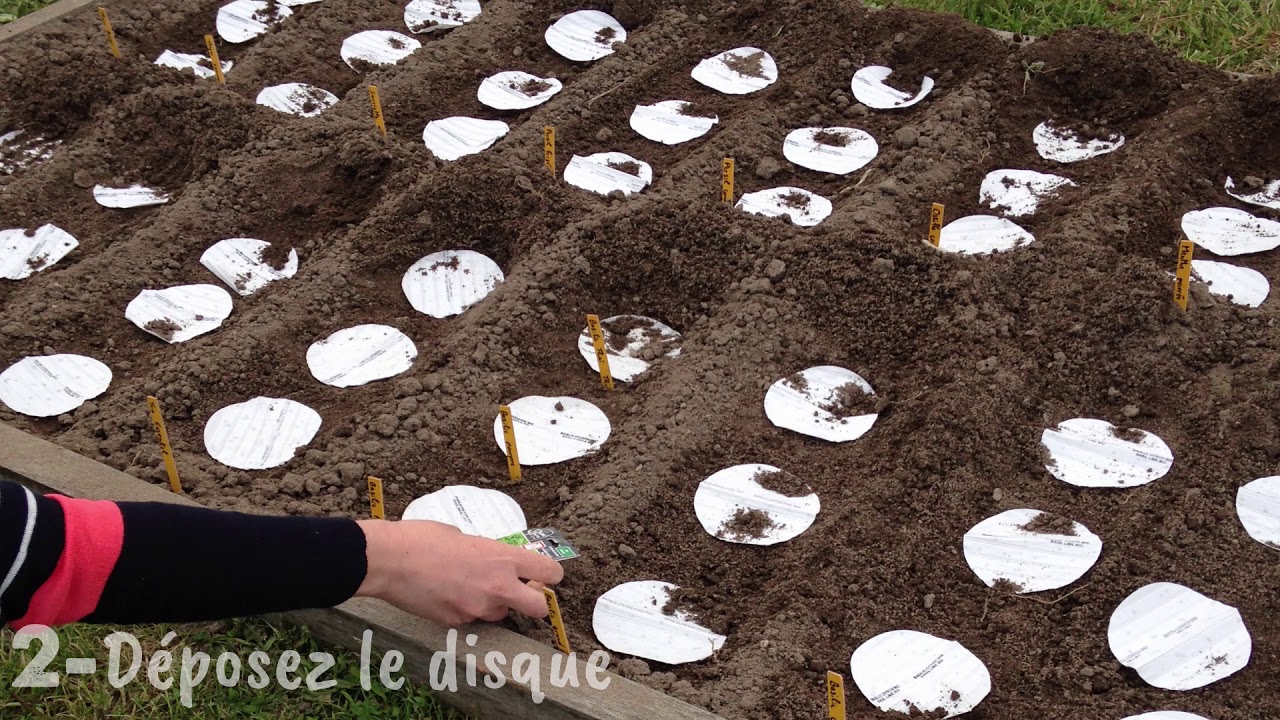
(377, 510)
(111, 34)
(935, 224)
(166, 450)
(557, 622)
(213, 58)
(378, 120)
(549, 148)
(602, 355)
(1182, 276)
(509, 438)
(835, 696)
(726, 180)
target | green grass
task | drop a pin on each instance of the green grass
(92, 696)
(1241, 35)
(11, 10)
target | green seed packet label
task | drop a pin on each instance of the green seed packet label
(546, 541)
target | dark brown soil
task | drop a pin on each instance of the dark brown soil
(628, 167)
(691, 109)
(795, 199)
(783, 483)
(276, 255)
(978, 355)
(1128, 434)
(832, 138)
(747, 65)
(850, 400)
(1051, 524)
(532, 87)
(747, 524)
(621, 327)
(605, 36)
(164, 328)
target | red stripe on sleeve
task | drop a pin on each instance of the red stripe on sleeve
(94, 537)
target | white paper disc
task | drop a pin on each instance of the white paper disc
(1088, 453)
(737, 72)
(821, 149)
(1017, 193)
(1166, 715)
(259, 434)
(361, 354)
(553, 429)
(243, 20)
(180, 313)
(298, 3)
(585, 35)
(1268, 196)
(804, 208)
(870, 89)
(627, 362)
(595, 173)
(23, 255)
(128, 197)
(20, 150)
(238, 263)
(906, 671)
(806, 409)
(455, 137)
(1065, 146)
(474, 511)
(1178, 639)
(379, 47)
(1228, 231)
(982, 235)
(199, 64)
(628, 619)
(722, 496)
(1244, 286)
(1002, 548)
(446, 283)
(1258, 505)
(428, 15)
(664, 123)
(297, 99)
(50, 385)
(516, 90)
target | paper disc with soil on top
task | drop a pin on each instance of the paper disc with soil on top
(1178, 639)
(909, 672)
(837, 150)
(804, 208)
(128, 197)
(23, 255)
(739, 71)
(631, 618)
(826, 402)
(607, 172)
(20, 150)
(50, 385)
(1166, 715)
(377, 47)
(474, 511)
(429, 15)
(1258, 505)
(1017, 193)
(1244, 286)
(982, 235)
(180, 313)
(1064, 145)
(199, 64)
(297, 99)
(631, 343)
(243, 20)
(1094, 453)
(361, 354)
(670, 122)
(239, 263)
(516, 90)
(870, 89)
(455, 137)
(1031, 550)
(259, 434)
(585, 35)
(735, 506)
(1265, 194)
(551, 430)
(446, 283)
(1228, 231)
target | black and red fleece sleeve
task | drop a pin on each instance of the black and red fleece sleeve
(64, 560)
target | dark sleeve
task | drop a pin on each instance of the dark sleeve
(31, 536)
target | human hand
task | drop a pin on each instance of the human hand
(434, 571)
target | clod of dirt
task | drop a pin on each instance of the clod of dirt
(531, 87)
(832, 138)
(397, 43)
(620, 329)
(628, 167)
(794, 199)
(799, 382)
(700, 607)
(850, 400)
(164, 328)
(270, 14)
(1050, 524)
(275, 256)
(451, 263)
(1006, 585)
(1128, 434)
(605, 36)
(689, 109)
(37, 262)
(559, 407)
(747, 524)
(782, 482)
(747, 65)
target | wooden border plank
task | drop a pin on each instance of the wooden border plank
(48, 13)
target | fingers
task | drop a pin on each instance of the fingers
(527, 601)
(537, 567)
(535, 585)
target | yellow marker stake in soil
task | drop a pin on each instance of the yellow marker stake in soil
(726, 180)
(1182, 279)
(379, 121)
(111, 34)
(377, 510)
(602, 357)
(835, 696)
(557, 622)
(549, 148)
(213, 57)
(935, 224)
(509, 437)
(166, 450)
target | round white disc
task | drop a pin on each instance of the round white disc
(982, 235)
(870, 89)
(1088, 453)
(361, 354)
(1244, 286)
(1228, 231)
(1166, 715)
(446, 283)
(243, 20)
(428, 15)
(664, 122)
(804, 208)
(455, 137)
(599, 174)
(297, 99)
(838, 150)
(259, 434)
(737, 72)
(628, 619)
(128, 197)
(379, 47)
(553, 429)
(50, 385)
(905, 671)
(722, 496)
(199, 64)
(1017, 193)
(180, 313)
(1178, 639)
(516, 90)
(1258, 505)
(1267, 196)
(1002, 548)
(474, 511)
(585, 35)
(627, 361)
(806, 409)
(238, 263)
(23, 255)
(1065, 146)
